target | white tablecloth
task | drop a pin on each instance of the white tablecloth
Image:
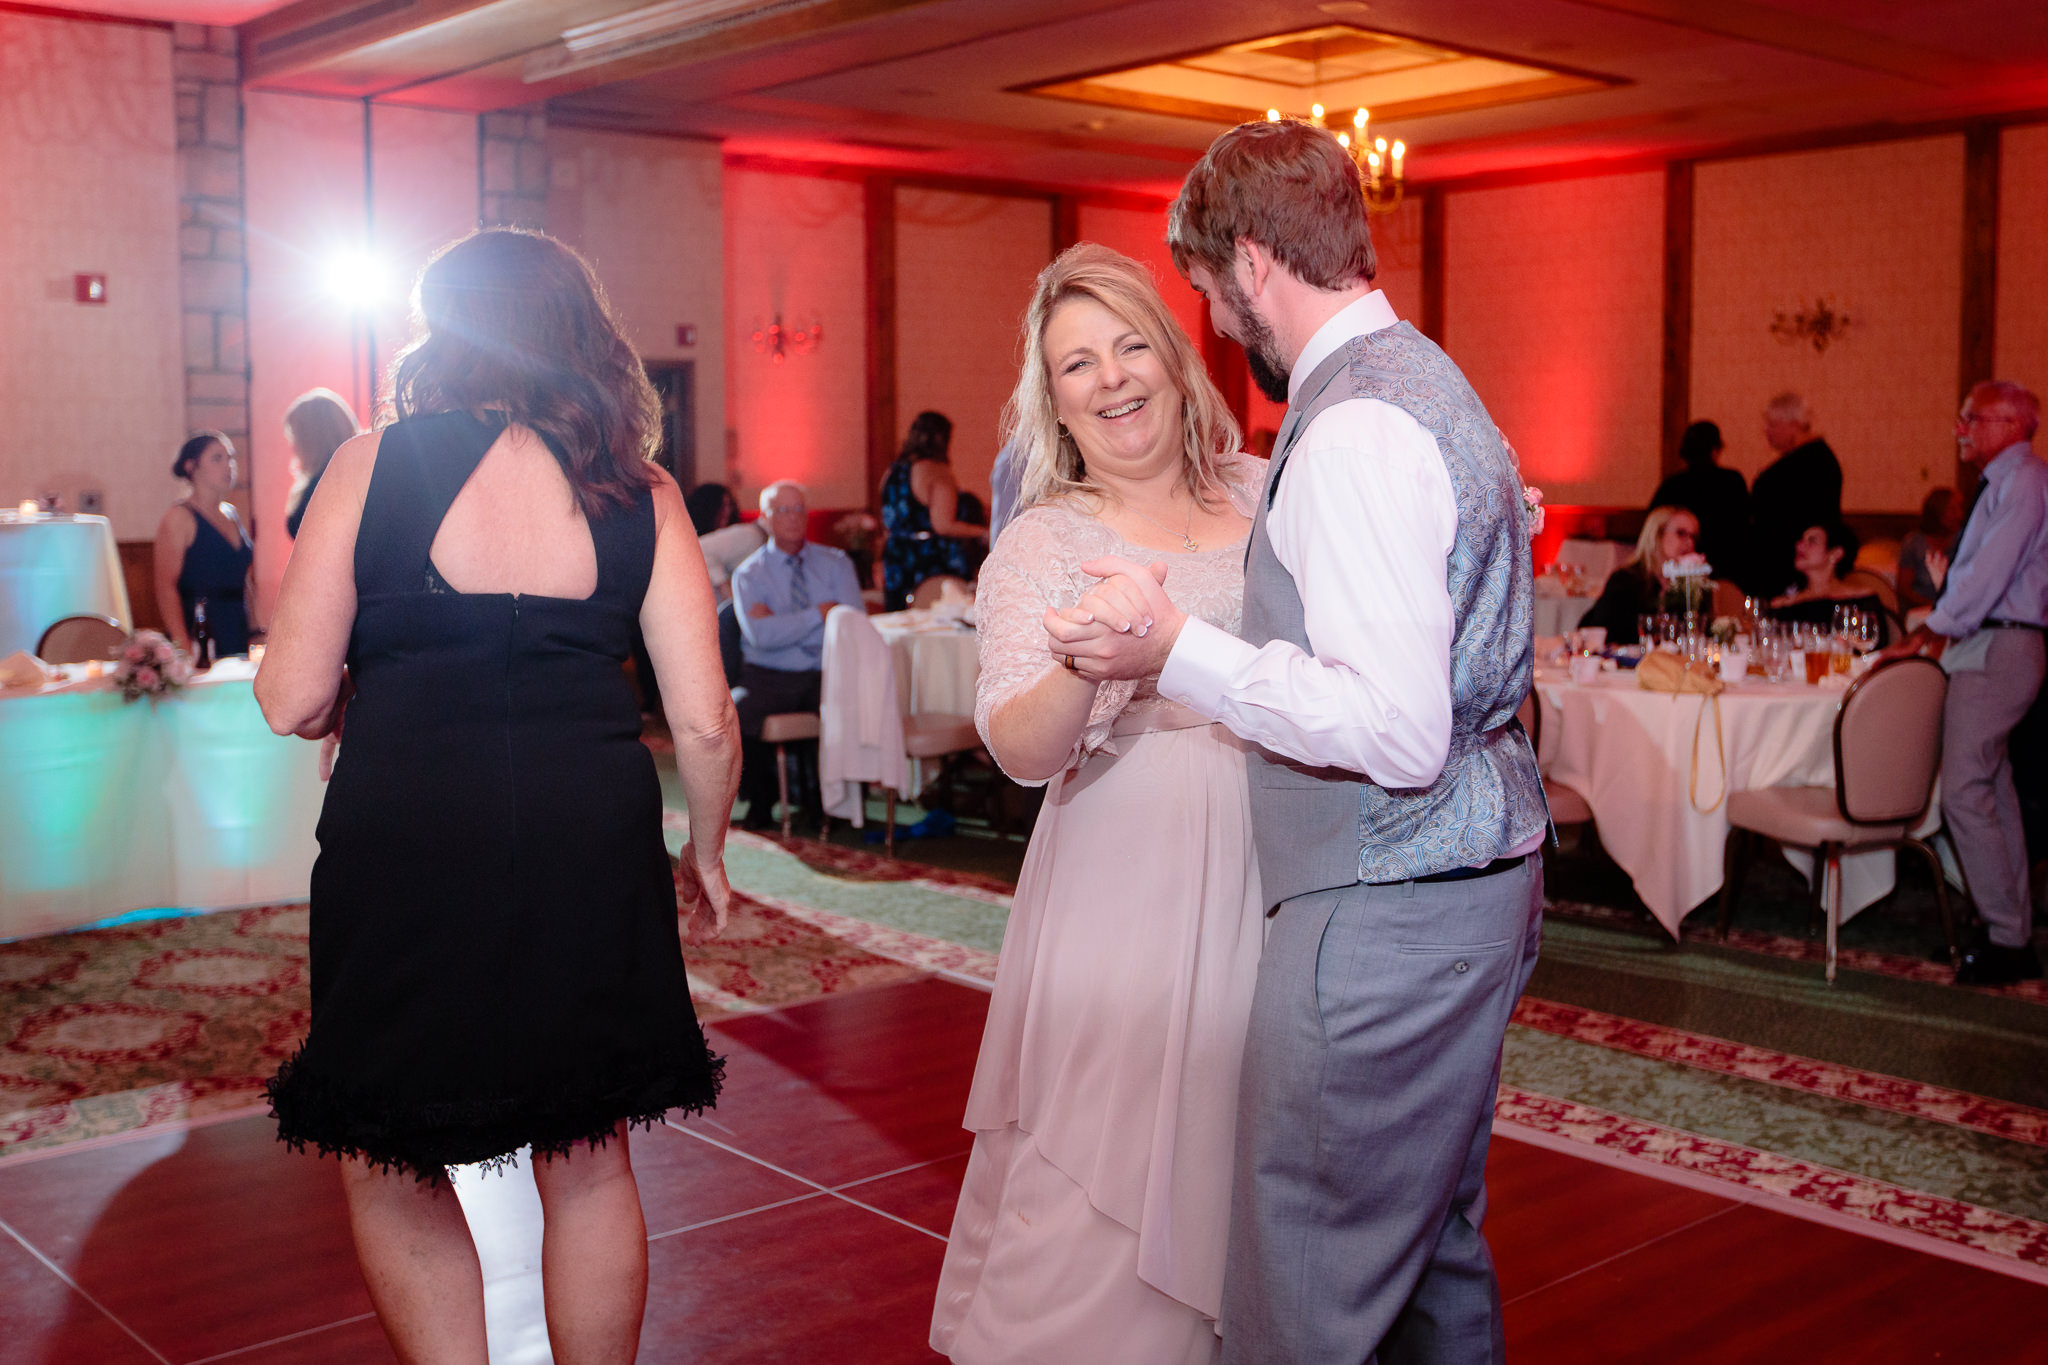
(52, 567)
(937, 665)
(1556, 615)
(109, 806)
(1629, 753)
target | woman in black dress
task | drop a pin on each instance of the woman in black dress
(495, 951)
(204, 561)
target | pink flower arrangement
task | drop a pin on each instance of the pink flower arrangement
(1532, 498)
(149, 665)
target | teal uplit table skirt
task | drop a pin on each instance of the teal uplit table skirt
(107, 806)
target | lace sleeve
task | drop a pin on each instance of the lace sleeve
(1035, 565)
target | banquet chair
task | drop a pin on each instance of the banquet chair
(1567, 807)
(783, 730)
(1887, 755)
(81, 639)
(930, 735)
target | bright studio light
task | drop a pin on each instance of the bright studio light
(355, 278)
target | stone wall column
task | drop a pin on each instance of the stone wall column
(213, 260)
(512, 168)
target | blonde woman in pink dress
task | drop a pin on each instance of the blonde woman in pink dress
(1092, 1222)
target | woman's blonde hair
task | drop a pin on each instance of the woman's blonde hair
(1053, 466)
(1647, 555)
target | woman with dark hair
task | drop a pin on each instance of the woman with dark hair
(1924, 554)
(316, 424)
(1823, 558)
(495, 953)
(920, 513)
(711, 505)
(205, 564)
(1716, 495)
(726, 540)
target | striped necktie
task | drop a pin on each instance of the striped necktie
(799, 591)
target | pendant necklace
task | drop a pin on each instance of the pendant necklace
(1185, 537)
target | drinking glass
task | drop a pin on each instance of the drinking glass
(1816, 664)
(1646, 630)
(1868, 629)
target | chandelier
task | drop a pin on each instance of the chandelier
(1380, 164)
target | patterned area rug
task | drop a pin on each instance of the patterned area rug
(109, 1030)
(1945, 1170)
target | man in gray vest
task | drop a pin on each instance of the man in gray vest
(1398, 812)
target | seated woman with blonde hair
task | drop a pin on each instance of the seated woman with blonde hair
(1637, 588)
(1092, 1221)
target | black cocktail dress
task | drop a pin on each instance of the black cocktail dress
(495, 950)
(217, 573)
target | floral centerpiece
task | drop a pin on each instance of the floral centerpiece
(858, 534)
(149, 665)
(1686, 578)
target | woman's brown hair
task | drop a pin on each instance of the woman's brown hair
(515, 321)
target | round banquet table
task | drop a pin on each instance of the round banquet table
(1629, 752)
(109, 806)
(938, 662)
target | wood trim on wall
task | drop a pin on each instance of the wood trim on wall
(878, 230)
(1066, 222)
(1977, 352)
(1433, 264)
(1677, 378)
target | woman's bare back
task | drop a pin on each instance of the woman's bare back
(515, 527)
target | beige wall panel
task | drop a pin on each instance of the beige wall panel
(965, 267)
(1554, 307)
(1141, 235)
(303, 178)
(423, 197)
(796, 250)
(648, 213)
(1876, 231)
(2023, 257)
(1397, 244)
(91, 396)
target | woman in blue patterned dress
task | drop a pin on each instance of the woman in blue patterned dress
(920, 502)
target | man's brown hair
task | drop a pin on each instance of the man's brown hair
(1286, 185)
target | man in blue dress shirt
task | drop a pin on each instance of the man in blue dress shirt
(1987, 630)
(783, 592)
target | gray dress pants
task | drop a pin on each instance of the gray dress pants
(1978, 801)
(1366, 1105)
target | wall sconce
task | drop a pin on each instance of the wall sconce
(777, 342)
(1820, 324)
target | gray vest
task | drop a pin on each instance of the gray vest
(1319, 828)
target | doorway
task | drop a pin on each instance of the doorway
(676, 382)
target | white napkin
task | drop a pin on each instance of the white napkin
(23, 669)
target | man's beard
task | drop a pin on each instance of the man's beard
(1261, 351)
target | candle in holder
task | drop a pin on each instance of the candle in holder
(29, 507)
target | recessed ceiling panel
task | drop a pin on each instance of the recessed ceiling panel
(1337, 65)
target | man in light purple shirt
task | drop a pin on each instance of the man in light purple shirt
(1987, 629)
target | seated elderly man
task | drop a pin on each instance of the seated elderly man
(783, 593)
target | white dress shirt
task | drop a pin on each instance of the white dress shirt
(1364, 520)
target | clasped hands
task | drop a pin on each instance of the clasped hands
(1123, 628)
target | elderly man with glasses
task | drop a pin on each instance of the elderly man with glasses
(783, 592)
(1987, 629)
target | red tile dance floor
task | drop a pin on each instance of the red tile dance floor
(803, 1222)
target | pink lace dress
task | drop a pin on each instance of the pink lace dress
(1092, 1220)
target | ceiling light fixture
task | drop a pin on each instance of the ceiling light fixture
(1381, 168)
(648, 29)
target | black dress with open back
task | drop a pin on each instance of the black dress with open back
(496, 955)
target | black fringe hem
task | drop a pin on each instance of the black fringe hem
(426, 1139)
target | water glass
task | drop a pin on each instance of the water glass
(1646, 630)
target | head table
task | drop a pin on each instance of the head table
(1629, 752)
(109, 806)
